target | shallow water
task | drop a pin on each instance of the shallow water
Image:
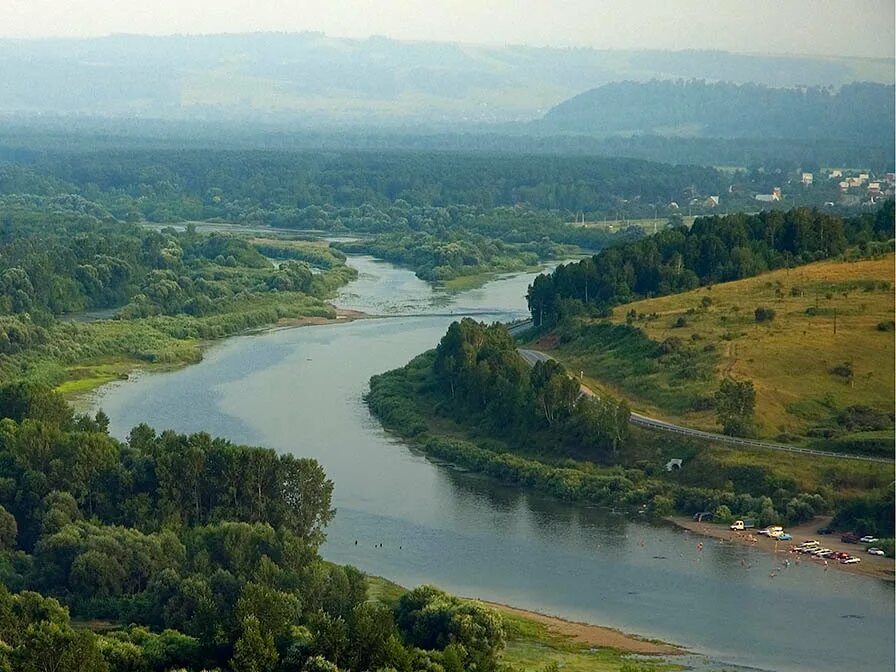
(299, 390)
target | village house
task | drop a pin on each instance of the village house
(770, 198)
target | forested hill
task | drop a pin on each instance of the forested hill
(714, 249)
(859, 111)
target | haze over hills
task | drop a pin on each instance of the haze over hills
(313, 79)
(859, 112)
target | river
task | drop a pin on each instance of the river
(300, 391)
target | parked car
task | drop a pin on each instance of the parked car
(825, 530)
(849, 538)
(784, 537)
(875, 551)
(851, 561)
(745, 524)
(771, 530)
(868, 539)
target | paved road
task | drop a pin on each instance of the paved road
(532, 356)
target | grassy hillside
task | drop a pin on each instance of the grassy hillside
(679, 347)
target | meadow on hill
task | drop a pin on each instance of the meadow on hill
(817, 342)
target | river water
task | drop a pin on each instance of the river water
(300, 391)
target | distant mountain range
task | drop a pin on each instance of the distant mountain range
(862, 112)
(311, 79)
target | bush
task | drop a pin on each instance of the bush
(860, 418)
(764, 314)
(723, 515)
(886, 326)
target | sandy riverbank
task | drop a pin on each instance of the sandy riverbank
(592, 635)
(871, 565)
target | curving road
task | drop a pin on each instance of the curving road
(533, 356)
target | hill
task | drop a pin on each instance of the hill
(859, 111)
(824, 356)
(311, 78)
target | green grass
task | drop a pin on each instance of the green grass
(79, 357)
(384, 591)
(466, 282)
(533, 646)
(83, 378)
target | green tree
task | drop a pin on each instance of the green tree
(9, 530)
(254, 651)
(735, 403)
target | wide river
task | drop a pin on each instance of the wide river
(300, 391)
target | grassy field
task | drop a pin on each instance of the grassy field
(544, 643)
(826, 323)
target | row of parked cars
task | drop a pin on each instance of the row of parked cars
(816, 550)
(852, 538)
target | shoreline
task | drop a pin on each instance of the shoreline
(590, 634)
(82, 399)
(871, 566)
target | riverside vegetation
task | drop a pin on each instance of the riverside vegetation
(474, 402)
(167, 290)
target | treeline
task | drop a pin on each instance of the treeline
(714, 249)
(169, 185)
(208, 550)
(477, 375)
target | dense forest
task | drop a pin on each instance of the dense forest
(278, 188)
(191, 553)
(856, 112)
(714, 249)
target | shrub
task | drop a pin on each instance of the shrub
(764, 314)
(886, 326)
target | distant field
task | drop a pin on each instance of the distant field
(798, 362)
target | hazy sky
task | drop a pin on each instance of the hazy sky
(834, 27)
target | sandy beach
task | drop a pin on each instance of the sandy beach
(871, 565)
(593, 635)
